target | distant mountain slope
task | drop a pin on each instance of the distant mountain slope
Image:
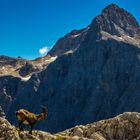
(23, 68)
(98, 80)
(10, 64)
(69, 42)
(15, 66)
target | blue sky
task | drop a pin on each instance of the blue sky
(28, 25)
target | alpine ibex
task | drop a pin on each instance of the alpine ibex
(29, 118)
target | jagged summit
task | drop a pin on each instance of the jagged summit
(126, 18)
(112, 5)
(116, 21)
(111, 8)
(113, 20)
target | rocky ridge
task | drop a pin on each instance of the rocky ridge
(69, 43)
(14, 66)
(116, 21)
(123, 127)
(22, 68)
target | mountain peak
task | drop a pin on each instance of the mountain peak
(116, 21)
(111, 7)
(116, 13)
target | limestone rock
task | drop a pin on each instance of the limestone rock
(7, 131)
(123, 127)
(78, 132)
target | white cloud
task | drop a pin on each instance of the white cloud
(43, 51)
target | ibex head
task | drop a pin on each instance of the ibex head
(43, 114)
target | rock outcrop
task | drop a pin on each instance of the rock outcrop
(8, 91)
(27, 69)
(116, 21)
(98, 80)
(7, 131)
(123, 127)
(19, 67)
(69, 43)
(10, 65)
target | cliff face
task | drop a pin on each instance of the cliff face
(122, 127)
(69, 43)
(116, 21)
(8, 92)
(98, 80)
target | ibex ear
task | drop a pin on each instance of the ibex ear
(42, 106)
(45, 109)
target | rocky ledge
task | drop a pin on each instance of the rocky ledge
(123, 127)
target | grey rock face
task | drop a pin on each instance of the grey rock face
(98, 80)
(69, 42)
(2, 114)
(8, 92)
(116, 21)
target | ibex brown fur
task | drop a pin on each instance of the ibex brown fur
(29, 118)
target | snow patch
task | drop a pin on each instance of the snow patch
(71, 51)
(129, 37)
(25, 78)
(74, 36)
(51, 59)
(121, 38)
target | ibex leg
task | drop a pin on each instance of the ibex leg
(20, 125)
(30, 132)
